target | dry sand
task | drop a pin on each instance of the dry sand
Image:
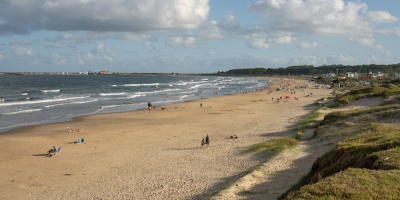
(157, 154)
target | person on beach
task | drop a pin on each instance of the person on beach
(52, 151)
(207, 140)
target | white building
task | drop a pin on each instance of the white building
(352, 75)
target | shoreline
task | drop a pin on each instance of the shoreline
(117, 108)
(81, 117)
(149, 154)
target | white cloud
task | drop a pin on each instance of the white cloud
(341, 59)
(256, 42)
(367, 40)
(101, 48)
(109, 59)
(393, 32)
(22, 51)
(210, 30)
(381, 17)
(85, 58)
(58, 59)
(134, 36)
(68, 36)
(181, 41)
(229, 23)
(211, 53)
(331, 17)
(21, 42)
(23, 16)
(350, 19)
(307, 45)
(303, 60)
(281, 38)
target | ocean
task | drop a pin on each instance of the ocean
(41, 99)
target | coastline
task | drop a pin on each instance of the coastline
(26, 106)
(149, 154)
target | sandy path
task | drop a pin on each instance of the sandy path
(276, 176)
(152, 154)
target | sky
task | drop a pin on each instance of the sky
(195, 36)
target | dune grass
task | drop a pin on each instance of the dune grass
(354, 183)
(310, 120)
(370, 91)
(366, 161)
(272, 147)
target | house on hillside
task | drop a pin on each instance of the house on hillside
(377, 74)
(330, 75)
(352, 75)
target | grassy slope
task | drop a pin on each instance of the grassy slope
(366, 161)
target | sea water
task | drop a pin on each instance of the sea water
(39, 99)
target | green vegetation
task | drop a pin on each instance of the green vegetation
(353, 184)
(299, 134)
(368, 92)
(313, 71)
(274, 146)
(310, 120)
(365, 164)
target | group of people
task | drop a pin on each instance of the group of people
(71, 129)
(205, 141)
(55, 150)
(151, 107)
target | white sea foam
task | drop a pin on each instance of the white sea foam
(24, 94)
(113, 94)
(143, 84)
(186, 96)
(199, 85)
(160, 91)
(50, 91)
(134, 96)
(23, 111)
(109, 106)
(70, 103)
(40, 101)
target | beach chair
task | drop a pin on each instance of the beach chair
(58, 149)
(79, 140)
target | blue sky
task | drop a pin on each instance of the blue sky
(195, 36)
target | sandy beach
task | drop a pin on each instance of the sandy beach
(157, 154)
